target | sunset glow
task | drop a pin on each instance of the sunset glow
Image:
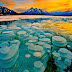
(49, 5)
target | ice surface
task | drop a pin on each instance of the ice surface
(36, 46)
(9, 53)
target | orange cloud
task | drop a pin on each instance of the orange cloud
(49, 5)
(62, 5)
(8, 3)
(46, 0)
(39, 0)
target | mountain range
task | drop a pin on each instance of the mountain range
(37, 11)
(6, 11)
(34, 11)
(59, 13)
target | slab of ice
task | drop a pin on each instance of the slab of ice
(49, 35)
(46, 40)
(22, 35)
(21, 32)
(32, 41)
(9, 53)
(67, 62)
(37, 54)
(38, 66)
(26, 71)
(62, 58)
(41, 43)
(35, 48)
(3, 27)
(47, 47)
(59, 41)
(8, 35)
(60, 64)
(70, 37)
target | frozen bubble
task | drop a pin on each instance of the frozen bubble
(21, 32)
(24, 26)
(29, 44)
(22, 35)
(56, 56)
(70, 37)
(30, 35)
(47, 40)
(65, 53)
(41, 36)
(45, 58)
(69, 46)
(67, 61)
(14, 27)
(36, 48)
(32, 41)
(49, 35)
(37, 54)
(63, 50)
(33, 37)
(55, 48)
(4, 51)
(31, 31)
(41, 43)
(42, 69)
(27, 55)
(47, 46)
(8, 35)
(4, 44)
(12, 49)
(69, 56)
(59, 41)
(60, 70)
(3, 27)
(48, 51)
(15, 42)
(60, 64)
(26, 71)
(8, 32)
(38, 64)
(7, 63)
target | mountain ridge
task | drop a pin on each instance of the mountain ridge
(6, 11)
(35, 11)
(64, 13)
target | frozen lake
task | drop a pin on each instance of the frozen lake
(40, 44)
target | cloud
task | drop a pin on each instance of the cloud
(20, 10)
(46, 0)
(49, 5)
(24, 6)
(8, 3)
(54, 5)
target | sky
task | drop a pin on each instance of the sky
(48, 5)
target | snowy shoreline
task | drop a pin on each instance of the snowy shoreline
(18, 17)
